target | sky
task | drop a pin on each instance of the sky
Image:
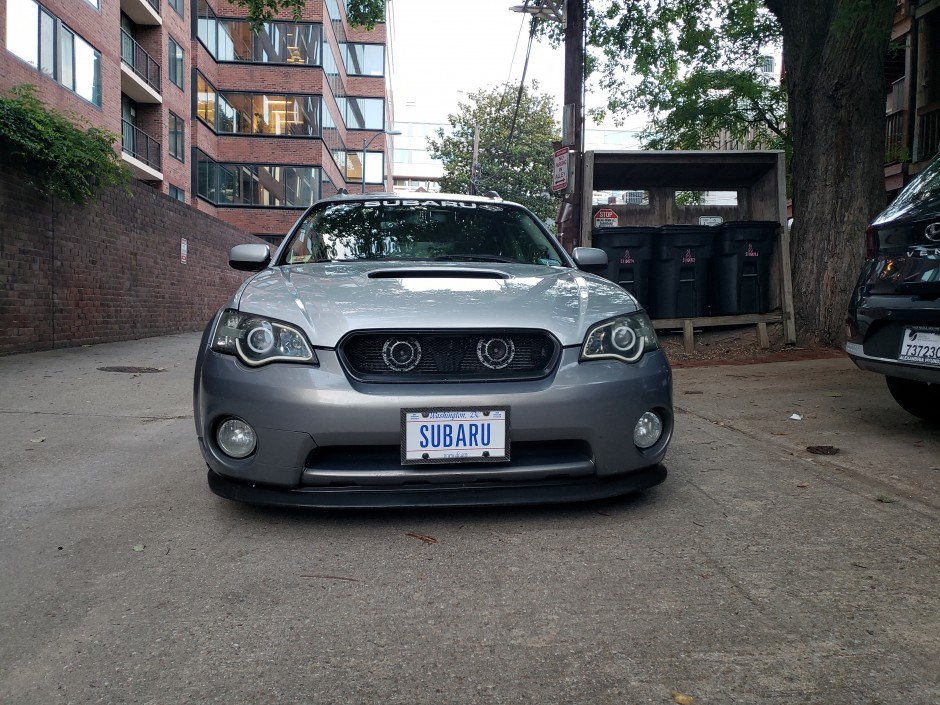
(443, 49)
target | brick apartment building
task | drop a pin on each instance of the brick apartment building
(249, 128)
(912, 73)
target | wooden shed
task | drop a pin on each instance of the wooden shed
(635, 190)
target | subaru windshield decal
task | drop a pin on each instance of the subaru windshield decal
(433, 204)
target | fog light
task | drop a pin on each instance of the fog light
(648, 430)
(236, 438)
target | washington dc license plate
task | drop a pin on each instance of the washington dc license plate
(454, 435)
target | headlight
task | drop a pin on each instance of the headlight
(623, 338)
(257, 340)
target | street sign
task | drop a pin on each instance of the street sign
(605, 218)
(560, 171)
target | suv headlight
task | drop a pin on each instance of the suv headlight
(623, 338)
(258, 340)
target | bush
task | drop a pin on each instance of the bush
(57, 153)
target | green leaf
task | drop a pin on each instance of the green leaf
(57, 153)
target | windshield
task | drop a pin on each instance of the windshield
(396, 229)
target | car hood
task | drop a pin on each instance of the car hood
(328, 300)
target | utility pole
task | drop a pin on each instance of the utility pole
(475, 164)
(571, 15)
(569, 225)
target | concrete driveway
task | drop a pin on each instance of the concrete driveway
(759, 572)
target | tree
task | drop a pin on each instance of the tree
(704, 81)
(56, 153)
(692, 62)
(516, 132)
(359, 12)
(835, 57)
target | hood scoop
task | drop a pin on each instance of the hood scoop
(437, 273)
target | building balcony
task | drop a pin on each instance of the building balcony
(896, 144)
(928, 117)
(140, 74)
(141, 152)
(142, 11)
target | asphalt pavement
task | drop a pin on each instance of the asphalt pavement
(791, 556)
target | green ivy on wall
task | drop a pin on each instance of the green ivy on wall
(56, 152)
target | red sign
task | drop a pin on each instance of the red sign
(560, 171)
(605, 218)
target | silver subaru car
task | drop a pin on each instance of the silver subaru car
(428, 352)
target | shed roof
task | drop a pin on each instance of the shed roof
(693, 170)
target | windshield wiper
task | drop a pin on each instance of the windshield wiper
(474, 258)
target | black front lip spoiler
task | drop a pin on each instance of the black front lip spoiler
(476, 495)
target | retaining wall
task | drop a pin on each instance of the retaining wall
(112, 270)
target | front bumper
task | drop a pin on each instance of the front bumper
(476, 495)
(324, 440)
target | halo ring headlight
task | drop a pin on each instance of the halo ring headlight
(401, 354)
(260, 338)
(496, 353)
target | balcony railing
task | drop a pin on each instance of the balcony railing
(155, 4)
(140, 145)
(929, 117)
(143, 64)
(895, 142)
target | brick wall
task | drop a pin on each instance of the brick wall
(107, 271)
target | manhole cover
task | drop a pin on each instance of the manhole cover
(132, 370)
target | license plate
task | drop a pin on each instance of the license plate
(922, 346)
(454, 435)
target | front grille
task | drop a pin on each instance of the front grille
(451, 356)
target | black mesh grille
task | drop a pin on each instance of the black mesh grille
(448, 357)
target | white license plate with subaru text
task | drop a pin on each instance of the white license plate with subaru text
(454, 435)
(921, 346)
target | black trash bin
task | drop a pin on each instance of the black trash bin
(741, 267)
(629, 257)
(681, 270)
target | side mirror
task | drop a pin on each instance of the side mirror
(249, 258)
(590, 259)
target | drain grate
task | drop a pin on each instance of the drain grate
(132, 370)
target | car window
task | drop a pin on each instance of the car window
(427, 230)
(924, 189)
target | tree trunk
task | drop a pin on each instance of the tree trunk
(834, 55)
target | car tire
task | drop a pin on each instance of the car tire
(919, 398)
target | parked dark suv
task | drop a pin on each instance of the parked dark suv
(894, 313)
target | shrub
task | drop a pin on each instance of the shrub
(57, 153)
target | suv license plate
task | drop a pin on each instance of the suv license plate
(454, 435)
(921, 346)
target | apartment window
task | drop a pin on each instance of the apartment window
(364, 59)
(40, 38)
(257, 113)
(178, 6)
(226, 184)
(363, 113)
(352, 167)
(276, 43)
(205, 101)
(175, 61)
(177, 138)
(767, 64)
(177, 193)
